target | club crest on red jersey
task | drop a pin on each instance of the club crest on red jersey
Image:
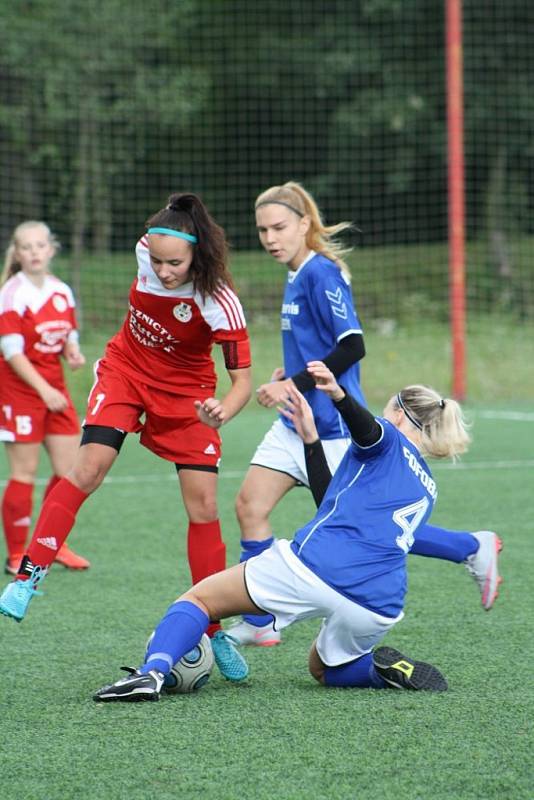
(59, 303)
(182, 312)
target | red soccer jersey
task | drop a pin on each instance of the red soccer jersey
(168, 334)
(43, 316)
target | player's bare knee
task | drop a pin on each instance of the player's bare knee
(249, 512)
(201, 508)
(240, 506)
(25, 475)
(195, 595)
(317, 673)
(88, 476)
(199, 493)
(315, 664)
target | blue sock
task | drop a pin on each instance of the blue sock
(441, 543)
(361, 672)
(253, 547)
(249, 548)
(178, 632)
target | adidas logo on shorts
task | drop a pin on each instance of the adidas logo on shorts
(210, 450)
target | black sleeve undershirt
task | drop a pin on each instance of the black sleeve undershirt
(319, 474)
(364, 430)
(363, 427)
(347, 352)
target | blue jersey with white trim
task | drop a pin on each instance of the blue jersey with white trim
(317, 312)
(358, 541)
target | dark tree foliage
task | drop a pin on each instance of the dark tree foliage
(106, 107)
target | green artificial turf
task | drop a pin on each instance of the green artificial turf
(279, 735)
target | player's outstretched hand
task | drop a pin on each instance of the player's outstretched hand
(279, 374)
(325, 380)
(270, 394)
(211, 412)
(297, 409)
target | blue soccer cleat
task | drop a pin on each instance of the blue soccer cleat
(16, 597)
(231, 663)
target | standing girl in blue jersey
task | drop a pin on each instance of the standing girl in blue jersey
(319, 321)
(347, 565)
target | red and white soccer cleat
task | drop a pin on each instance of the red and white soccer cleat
(71, 560)
(12, 564)
(245, 633)
(483, 566)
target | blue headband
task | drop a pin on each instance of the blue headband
(171, 232)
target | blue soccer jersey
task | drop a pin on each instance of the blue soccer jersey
(358, 541)
(317, 312)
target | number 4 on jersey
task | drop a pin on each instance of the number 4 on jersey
(408, 518)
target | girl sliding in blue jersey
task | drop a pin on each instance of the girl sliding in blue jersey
(347, 565)
(319, 321)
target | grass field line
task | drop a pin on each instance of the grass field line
(513, 416)
(233, 474)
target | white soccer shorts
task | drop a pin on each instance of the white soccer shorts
(280, 584)
(282, 449)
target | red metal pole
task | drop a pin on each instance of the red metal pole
(456, 193)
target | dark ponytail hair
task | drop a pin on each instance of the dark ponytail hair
(187, 213)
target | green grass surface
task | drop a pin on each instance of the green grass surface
(396, 282)
(500, 355)
(279, 735)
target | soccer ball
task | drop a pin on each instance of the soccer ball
(192, 671)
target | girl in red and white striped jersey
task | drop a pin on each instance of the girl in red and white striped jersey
(157, 378)
(37, 329)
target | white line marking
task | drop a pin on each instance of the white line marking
(513, 416)
(527, 463)
(232, 475)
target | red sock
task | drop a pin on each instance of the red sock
(55, 522)
(207, 554)
(50, 485)
(16, 516)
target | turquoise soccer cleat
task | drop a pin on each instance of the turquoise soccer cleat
(16, 597)
(231, 663)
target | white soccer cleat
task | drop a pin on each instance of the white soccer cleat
(245, 633)
(483, 566)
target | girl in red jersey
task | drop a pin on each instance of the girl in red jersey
(159, 365)
(37, 327)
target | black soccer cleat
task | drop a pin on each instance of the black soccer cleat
(401, 672)
(134, 688)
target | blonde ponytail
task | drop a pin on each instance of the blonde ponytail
(444, 430)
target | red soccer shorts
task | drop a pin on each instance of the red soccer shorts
(30, 421)
(168, 423)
